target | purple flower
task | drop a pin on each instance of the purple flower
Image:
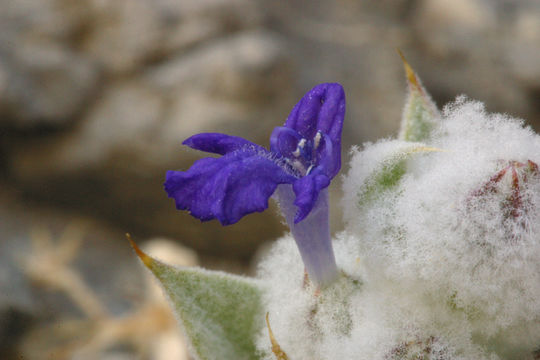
(305, 154)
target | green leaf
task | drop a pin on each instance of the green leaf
(389, 172)
(219, 313)
(420, 115)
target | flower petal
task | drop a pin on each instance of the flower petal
(227, 188)
(219, 143)
(284, 141)
(328, 161)
(321, 109)
(307, 191)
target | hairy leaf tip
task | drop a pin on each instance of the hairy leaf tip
(411, 76)
(147, 260)
(276, 349)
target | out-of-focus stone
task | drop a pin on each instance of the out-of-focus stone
(127, 34)
(524, 51)
(191, 22)
(53, 53)
(43, 83)
(122, 120)
(486, 50)
(124, 33)
(450, 26)
(44, 19)
(232, 67)
(44, 80)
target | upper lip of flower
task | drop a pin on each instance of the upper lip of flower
(305, 152)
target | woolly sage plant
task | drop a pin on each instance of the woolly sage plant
(440, 257)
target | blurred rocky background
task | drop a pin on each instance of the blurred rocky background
(96, 97)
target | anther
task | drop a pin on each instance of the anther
(317, 140)
(299, 148)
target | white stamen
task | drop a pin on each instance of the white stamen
(317, 140)
(300, 146)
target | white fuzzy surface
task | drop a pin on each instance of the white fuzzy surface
(382, 315)
(438, 262)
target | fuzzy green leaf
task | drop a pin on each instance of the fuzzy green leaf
(420, 114)
(219, 313)
(388, 174)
